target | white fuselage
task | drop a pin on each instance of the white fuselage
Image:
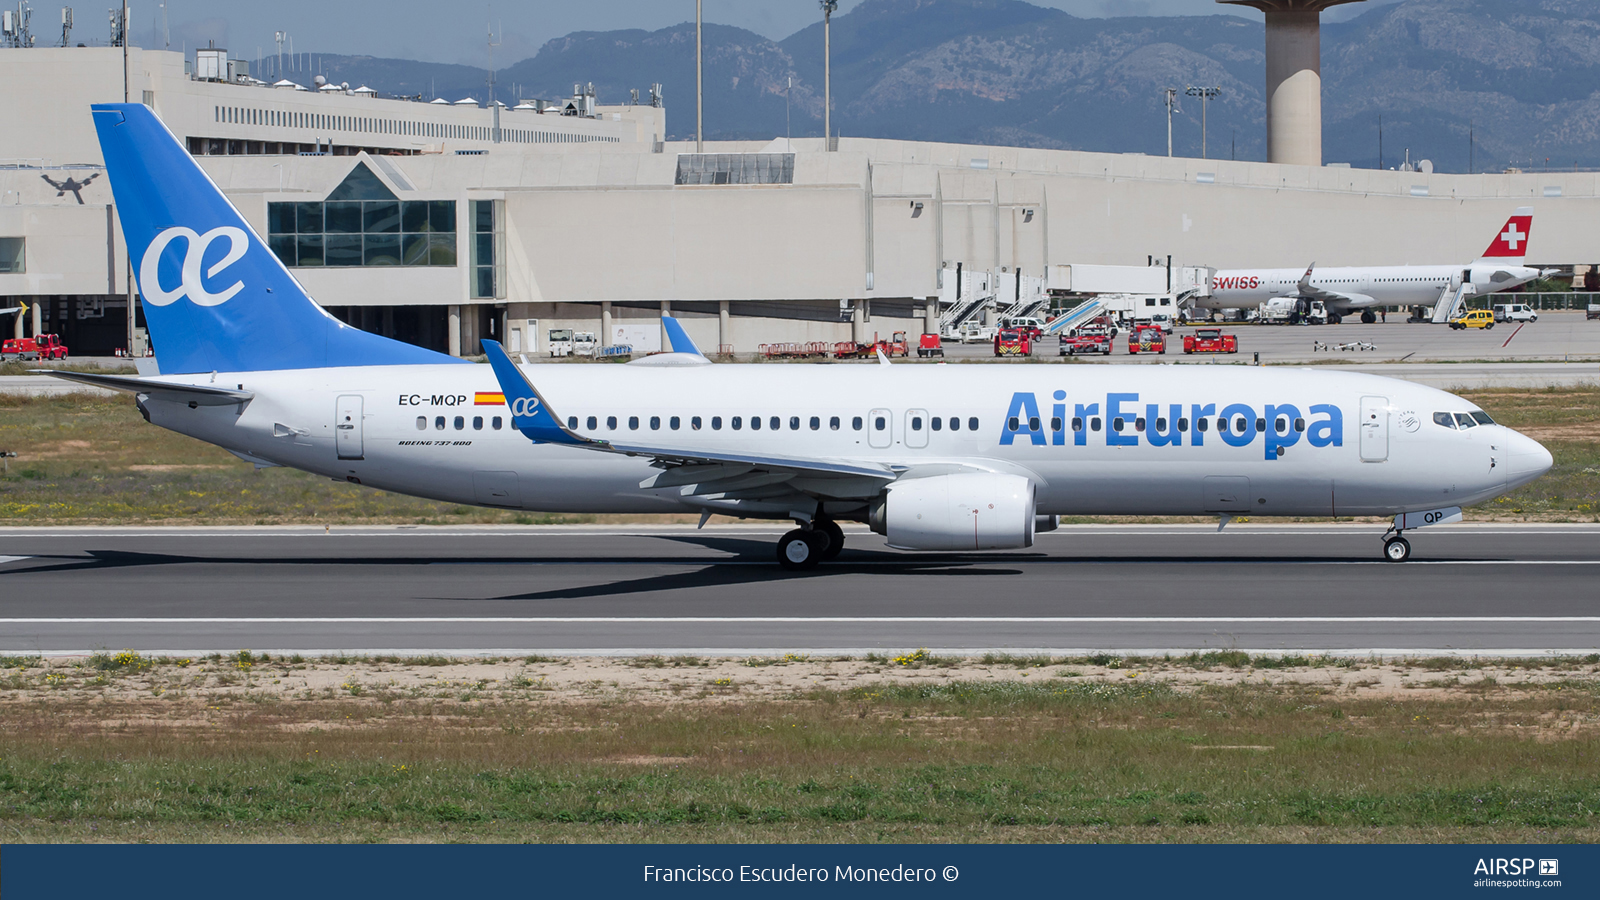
(1364, 286)
(1369, 445)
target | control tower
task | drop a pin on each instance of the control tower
(1294, 78)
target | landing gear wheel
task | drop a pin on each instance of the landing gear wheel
(1335, 319)
(799, 550)
(1368, 317)
(835, 536)
(1397, 549)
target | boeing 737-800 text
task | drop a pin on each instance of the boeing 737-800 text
(934, 457)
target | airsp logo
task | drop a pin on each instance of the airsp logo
(1409, 421)
(192, 285)
(524, 406)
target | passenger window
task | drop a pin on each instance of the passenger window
(1280, 425)
(1183, 424)
(495, 424)
(1240, 425)
(1161, 423)
(1205, 425)
(736, 423)
(633, 423)
(1116, 424)
(794, 423)
(422, 423)
(716, 423)
(916, 423)
(1465, 421)
(1261, 426)
(438, 423)
(593, 423)
(833, 423)
(655, 423)
(855, 423)
(674, 422)
(1011, 424)
(972, 423)
(1077, 423)
(1033, 423)
(775, 423)
(1299, 424)
(1094, 423)
(572, 421)
(694, 422)
(461, 422)
(755, 423)
(611, 422)
(816, 423)
(1138, 423)
(1482, 418)
(1445, 419)
(477, 423)
(935, 423)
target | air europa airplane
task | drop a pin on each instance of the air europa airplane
(933, 457)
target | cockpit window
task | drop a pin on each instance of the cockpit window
(1465, 421)
(1482, 418)
(1445, 419)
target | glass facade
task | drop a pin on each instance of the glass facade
(488, 249)
(362, 223)
(13, 261)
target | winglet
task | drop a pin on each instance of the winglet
(678, 338)
(529, 413)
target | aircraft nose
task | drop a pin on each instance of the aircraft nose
(1526, 459)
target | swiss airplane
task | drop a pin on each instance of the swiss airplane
(933, 457)
(1360, 288)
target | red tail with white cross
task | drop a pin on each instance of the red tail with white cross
(1511, 243)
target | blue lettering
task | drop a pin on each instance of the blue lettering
(1082, 412)
(1023, 407)
(1197, 437)
(1058, 436)
(1115, 438)
(1329, 431)
(1288, 437)
(1232, 436)
(1172, 437)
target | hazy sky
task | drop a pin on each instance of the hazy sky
(455, 30)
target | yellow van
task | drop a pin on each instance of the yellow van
(1477, 318)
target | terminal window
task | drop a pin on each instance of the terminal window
(12, 261)
(735, 168)
(488, 249)
(362, 223)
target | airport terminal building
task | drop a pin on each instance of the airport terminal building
(446, 222)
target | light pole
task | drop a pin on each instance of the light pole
(1172, 104)
(1204, 93)
(699, 87)
(828, 6)
(787, 88)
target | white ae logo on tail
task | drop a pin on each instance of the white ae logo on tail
(524, 406)
(192, 286)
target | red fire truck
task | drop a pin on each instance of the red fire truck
(40, 346)
(1013, 342)
(1147, 339)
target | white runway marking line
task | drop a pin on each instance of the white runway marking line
(852, 620)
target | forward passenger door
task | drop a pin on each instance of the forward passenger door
(1374, 429)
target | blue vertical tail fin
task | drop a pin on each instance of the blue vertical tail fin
(215, 297)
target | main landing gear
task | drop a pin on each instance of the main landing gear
(804, 547)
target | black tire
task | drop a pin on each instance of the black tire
(799, 550)
(1397, 549)
(1489, 327)
(835, 536)
(1368, 317)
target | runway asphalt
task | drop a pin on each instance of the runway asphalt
(1473, 589)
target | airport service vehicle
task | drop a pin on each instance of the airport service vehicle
(1086, 340)
(896, 346)
(560, 342)
(930, 345)
(1162, 321)
(1359, 289)
(1289, 311)
(1473, 318)
(1593, 312)
(1013, 342)
(1210, 340)
(40, 346)
(934, 458)
(1034, 327)
(1147, 339)
(975, 333)
(1514, 312)
(584, 343)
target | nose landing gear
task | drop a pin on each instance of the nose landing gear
(1397, 549)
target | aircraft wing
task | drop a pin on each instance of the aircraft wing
(703, 471)
(1337, 300)
(199, 394)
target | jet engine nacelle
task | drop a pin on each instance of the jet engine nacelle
(976, 511)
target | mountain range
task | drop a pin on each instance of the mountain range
(1482, 83)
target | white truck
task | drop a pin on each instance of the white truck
(1514, 312)
(1279, 310)
(560, 342)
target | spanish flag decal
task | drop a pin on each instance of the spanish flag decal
(488, 398)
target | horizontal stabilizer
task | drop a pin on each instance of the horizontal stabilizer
(201, 394)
